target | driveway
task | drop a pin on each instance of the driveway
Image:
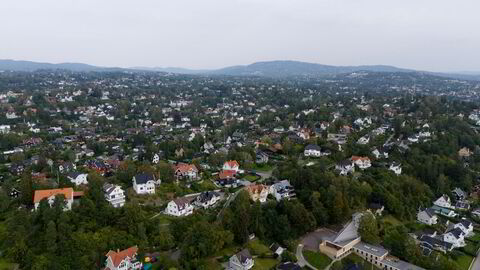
(312, 240)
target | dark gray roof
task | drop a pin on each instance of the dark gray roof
(143, 178)
(243, 255)
(457, 232)
(313, 147)
(207, 196)
(288, 266)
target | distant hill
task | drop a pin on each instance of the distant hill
(177, 70)
(265, 69)
(16, 65)
(296, 68)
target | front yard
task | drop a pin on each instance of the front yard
(464, 261)
(318, 260)
(264, 264)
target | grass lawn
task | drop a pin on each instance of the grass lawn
(471, 247)
(213, 264)
(391, 220)
(476, 237)
(228, 251)
(464, 261)
(257, 248)
(318, 260)
(251, 178)
(4, 265)
(264, 264)
(357, 259)
(262, 168)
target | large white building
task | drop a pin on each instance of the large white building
(78, 178)
(114, 194)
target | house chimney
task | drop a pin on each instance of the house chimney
(118, 250)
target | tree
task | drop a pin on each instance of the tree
(50, 238)
(368, 229)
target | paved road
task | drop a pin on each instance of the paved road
(301, 260)
(476, 263)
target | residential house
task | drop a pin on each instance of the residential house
(361, 162)
(65, 167)
(231, 165)
(288, 266)
(429, 243)
(78, 178)
(444, 211)
(186, 171)
(123, 260)
(464, 152)
(258, 192)
(364, 140)
(277, 249)
(282, 190)
(114, 194)
(227, 179)
(157, 157)
(395, 168)
(50, 194)
(443, 201)
(427, 216)
(241, 261)
(459, 194)
(261, 157)
(179, 207)
(312, 150)
(207, 199)
(144, 183)
(455, 236)
(345, 167)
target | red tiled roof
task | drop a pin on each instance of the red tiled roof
(226, 174)
(118, 257)
(355, 158)
(185, 168)
(46, 193)
(232, 163)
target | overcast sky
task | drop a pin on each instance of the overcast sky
(436, 35)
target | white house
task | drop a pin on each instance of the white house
(396, 168)
(4, 129)
(345, 167)
(312, 150)
(49, 195)
(123, 260)
(443, 201)
(179, 207)
(258, 192)
(144, 183)
(427, 216)
(363, 140)
(231, 165)
(78, 178)
(207, 199)
(241, 261)
(361, 162)
(456, 237)
(282, 190)
(114, 194)
(464, 225)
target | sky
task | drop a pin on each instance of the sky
(434, 35)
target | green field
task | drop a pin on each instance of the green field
(391, 220)
(4, 265)
(251, 178)
(264, 264)
(318, 260)
(258, 248)
(464, 261)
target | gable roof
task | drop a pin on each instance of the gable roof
(119, 256)
(183, 168)
(143, 178)
(47, 193)
(243, 255)
(231, 163)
